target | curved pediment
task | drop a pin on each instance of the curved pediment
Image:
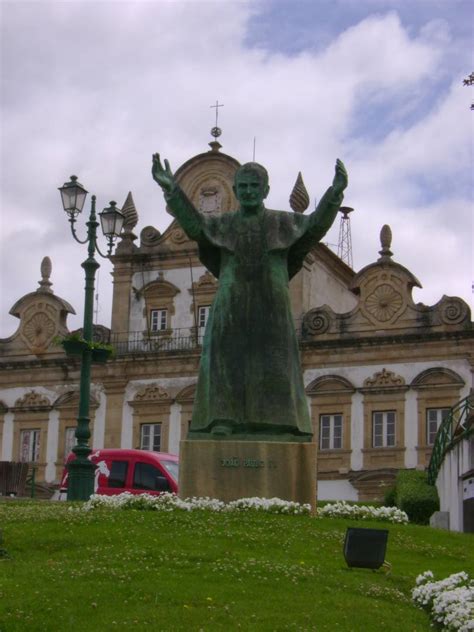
(437, 377)
(207, 179)
(160, 289)
(187, 394)
(32, 400)
(71, 400)
(329, 384)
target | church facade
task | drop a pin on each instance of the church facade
(380, 371)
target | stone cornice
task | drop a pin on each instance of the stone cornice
(388, 339)
(37, 363)
(62, 363)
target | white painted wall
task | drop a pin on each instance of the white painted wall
(357, 374)
(99, 420)
(183, 316)
(10, 396)
(357, 431)
(126, 438)
(449, 483)
(326, 289)
(180, 278)
(52, 446)
(7, 443)
(172, 386)
(411, 428)
(337, 490)
(174, 428)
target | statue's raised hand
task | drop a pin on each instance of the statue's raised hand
(164, 177)
(340, 178)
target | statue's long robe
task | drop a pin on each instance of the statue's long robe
(250, 372)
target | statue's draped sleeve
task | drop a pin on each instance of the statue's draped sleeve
(196, 227)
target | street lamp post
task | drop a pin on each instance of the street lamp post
(73, 195)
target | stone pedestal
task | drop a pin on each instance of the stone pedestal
(229, 470)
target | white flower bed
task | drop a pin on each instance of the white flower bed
(170, 502)
(449, 601)
(272, 505)
(342, 509)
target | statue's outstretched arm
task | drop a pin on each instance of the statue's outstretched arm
(324, 215)
(187, 215)
(164, 177)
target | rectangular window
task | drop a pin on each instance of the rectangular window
(383, 429)
(158, 319)
(118, 474)
(330, 432)
(150, 437)
(147, 476)
(203, 315)
(434, 417)
(69, 440)
(29, 445)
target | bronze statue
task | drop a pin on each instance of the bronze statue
(250, 385)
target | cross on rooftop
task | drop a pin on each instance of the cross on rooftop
(217, 105)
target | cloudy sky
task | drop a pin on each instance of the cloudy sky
(94, 88)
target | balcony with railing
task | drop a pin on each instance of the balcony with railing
(169, 340)
(164, 341)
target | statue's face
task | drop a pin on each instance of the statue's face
(250, 189)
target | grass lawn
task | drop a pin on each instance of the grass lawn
(115, 570)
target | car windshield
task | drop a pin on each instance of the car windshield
(172, 467)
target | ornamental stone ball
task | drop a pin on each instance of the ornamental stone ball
(250, 384)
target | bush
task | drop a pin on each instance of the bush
(415, 496)
(390, 497)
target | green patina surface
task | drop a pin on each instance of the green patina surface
(250, 384)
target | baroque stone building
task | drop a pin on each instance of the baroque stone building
(380, 371)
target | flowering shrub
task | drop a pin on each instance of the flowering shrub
(170, 502)
(450, 601)
(271, 505)
(341, 509)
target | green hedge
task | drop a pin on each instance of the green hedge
(415, 496)
(390, 497)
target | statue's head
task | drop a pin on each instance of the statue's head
(251, 185)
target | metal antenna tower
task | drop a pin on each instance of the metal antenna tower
(344, 246)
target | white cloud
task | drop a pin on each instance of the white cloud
(95, 88)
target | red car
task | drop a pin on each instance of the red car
(134, 471)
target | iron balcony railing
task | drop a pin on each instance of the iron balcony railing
(458, 425)
(165, 341)
(182, 339)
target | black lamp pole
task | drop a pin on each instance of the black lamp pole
(81, 469)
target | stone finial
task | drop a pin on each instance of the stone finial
(45, 284)
(215, 145)
(385, 242)
(299, 198)
(130, 212)
(127, 236)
